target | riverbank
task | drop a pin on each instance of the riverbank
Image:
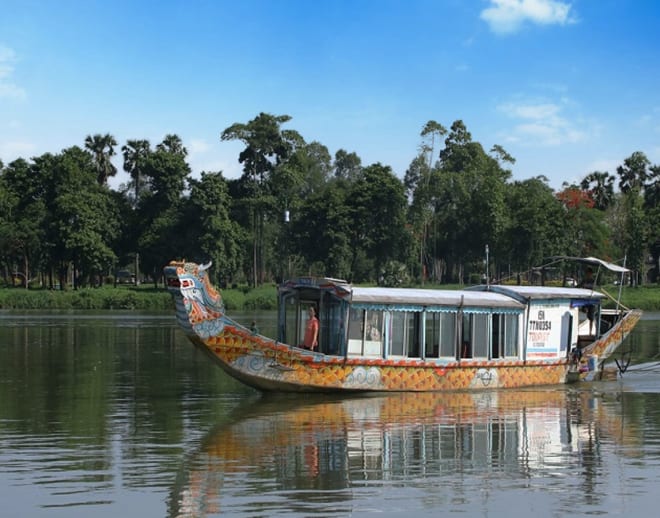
(144, 297)
(149, 298)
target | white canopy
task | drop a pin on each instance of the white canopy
(428, 297)
(595, 261)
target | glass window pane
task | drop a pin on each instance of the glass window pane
(432, 334)
(480, 335)
(289, 331)
(398, 333)
(413, 335)
(355, 331)
(447, 334)
(511, 335)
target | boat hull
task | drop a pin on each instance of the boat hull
(270, 366)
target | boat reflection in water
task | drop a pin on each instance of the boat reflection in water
(325, 455)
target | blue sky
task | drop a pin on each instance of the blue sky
(566, 87)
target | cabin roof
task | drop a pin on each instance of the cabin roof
(542, 292)
(428, 297)
(492, 296)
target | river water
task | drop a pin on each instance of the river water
(115, 414)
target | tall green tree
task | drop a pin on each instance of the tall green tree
(600, 186)
(417, 182)
(652, 211)
(585, 231)
(468, 198)
(633, 175)
(162, 236)
(267, 146)
(431, 134)
(22, 219)
(211, 233)
(135, 153)
(173, 144)
(322, 230)
(535, 228)
(82, 221)
(378, 213)
(347, 165)
(634, 172)
(102, 148)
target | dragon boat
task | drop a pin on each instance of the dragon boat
(404, 339)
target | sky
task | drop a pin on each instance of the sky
(566, 87)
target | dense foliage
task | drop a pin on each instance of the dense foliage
(297, 210)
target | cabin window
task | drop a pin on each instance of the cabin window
(480, 335)
(414, 338)
(504, 341)
(374, 326)
(490, 335)
(331, 320)
(475, 338)
(356, 331)
(365, 340)
(509, 335)
(373, 339)
(289, 323)
(399, 332)
(405, 334)
(440, 335)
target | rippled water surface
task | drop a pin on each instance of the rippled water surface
(116, 414)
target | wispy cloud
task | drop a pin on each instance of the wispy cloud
(198, 145)
(649, 120)
(603, 165)
(542, 123)
(508, 16)
(8, 89)
(213, 157)
(13, 149)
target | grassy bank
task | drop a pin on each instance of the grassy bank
(148, 298)
(646, 298)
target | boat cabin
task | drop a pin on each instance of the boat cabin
(484, 322)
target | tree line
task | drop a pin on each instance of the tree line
(297, 210)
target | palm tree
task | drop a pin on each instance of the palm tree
(135, 151)
(102, 147)
(172, 144)
(601, 187)
(634, 172)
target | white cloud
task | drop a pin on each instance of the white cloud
(198, 145)
(649, 121)
(10, 150)
(213, 156)
(603, 165)
(8, 89)
(507, 16)
(541, 123)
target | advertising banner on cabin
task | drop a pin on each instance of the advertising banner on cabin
(547, 325)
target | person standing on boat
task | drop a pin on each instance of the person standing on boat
(253, 328)
(588, 281)
(311, 340)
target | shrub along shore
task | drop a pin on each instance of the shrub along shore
(143, 298)
(148, 298)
